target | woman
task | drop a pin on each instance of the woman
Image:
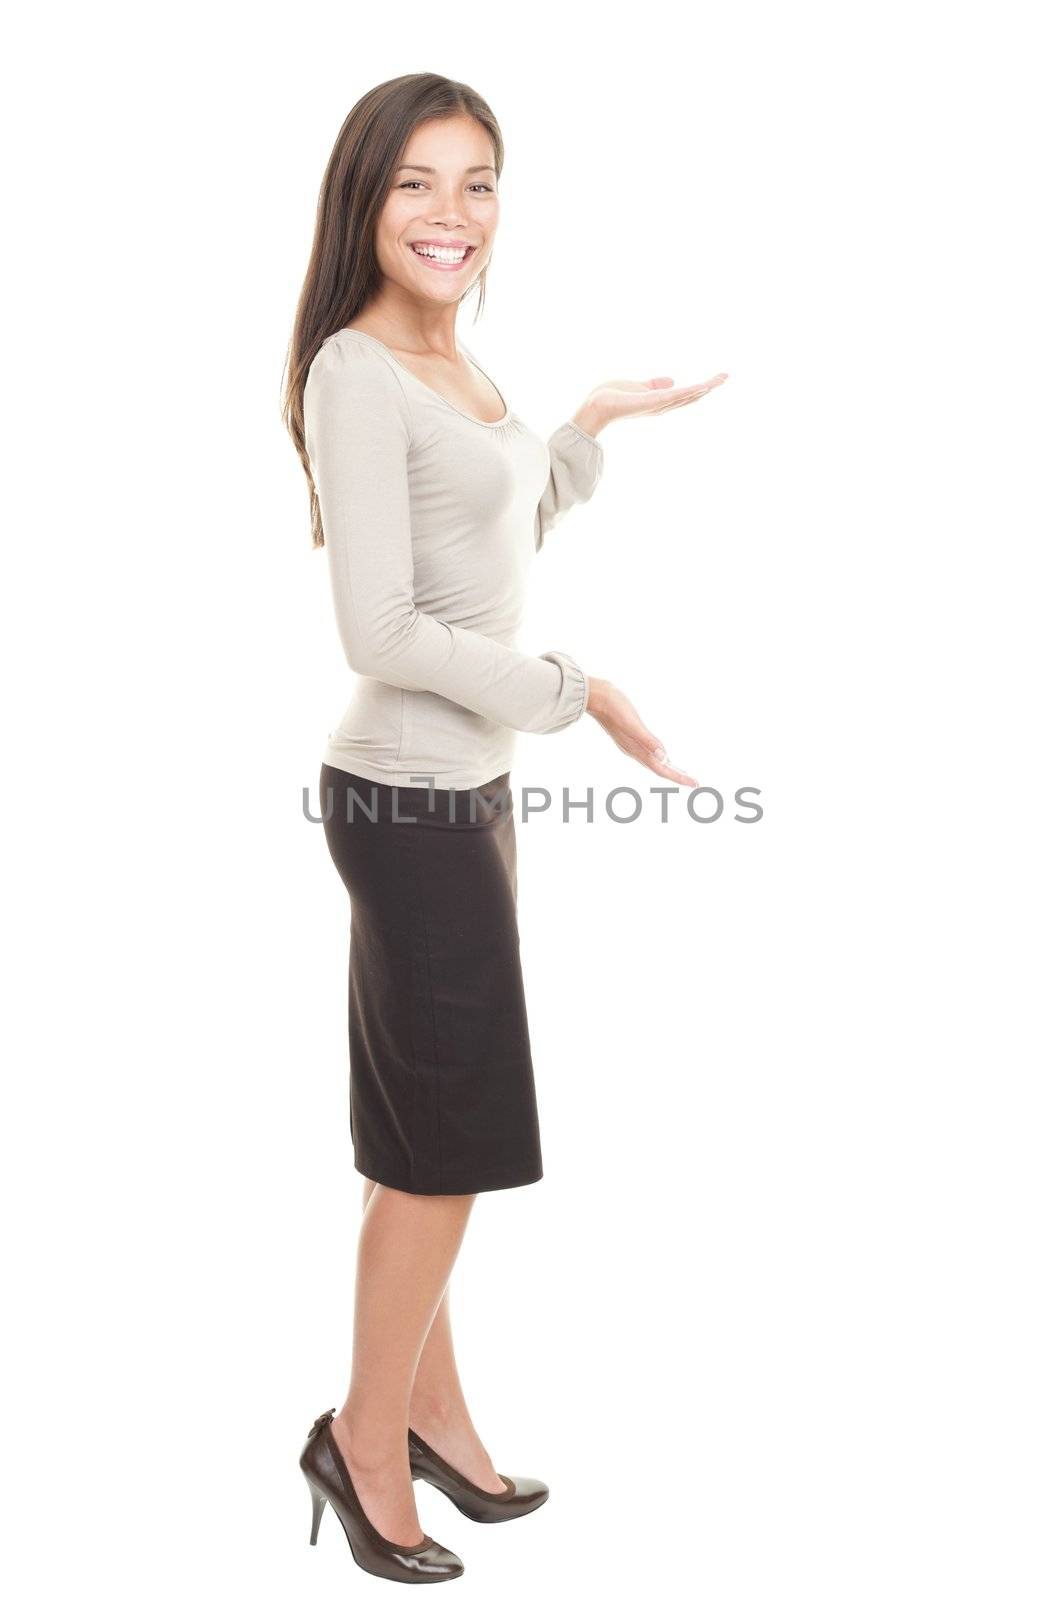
(431, 498)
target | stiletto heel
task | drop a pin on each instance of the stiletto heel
(319, 1501)
(521, 1495)
(328, 1479)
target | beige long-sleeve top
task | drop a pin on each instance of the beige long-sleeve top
(431, 519)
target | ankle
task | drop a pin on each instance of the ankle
(370, 1445)
(436, 1413)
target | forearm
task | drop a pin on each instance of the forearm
(413, 650)
(576, 468)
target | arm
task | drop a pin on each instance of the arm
(576, 467)
(357, 434)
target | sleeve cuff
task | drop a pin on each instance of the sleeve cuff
(574, 696)
(580, 680)
(589, 438)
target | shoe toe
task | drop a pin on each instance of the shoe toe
(437, 1562)
(529, 1492)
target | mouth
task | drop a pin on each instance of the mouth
(443, 258)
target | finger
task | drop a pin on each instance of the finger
(662, 399)
(652, 747)
(700, 388)
(685, 398)
(694, 390)
(653, 755)
(649, 742)
(633, 386)
(674, 774)
(689, 400)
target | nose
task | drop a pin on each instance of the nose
(449, 213)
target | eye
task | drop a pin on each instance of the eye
(411, 183)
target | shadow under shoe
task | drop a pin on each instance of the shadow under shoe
(328, 1479)
(521, 1495)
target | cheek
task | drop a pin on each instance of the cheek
(392, 224)
(487, 215)
(391, 254)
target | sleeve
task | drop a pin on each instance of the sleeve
(576, 467)
(357, 435)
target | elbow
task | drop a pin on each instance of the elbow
(357, 659)
(363, 652)
(547, 517)
(384, 651)
(370, 659)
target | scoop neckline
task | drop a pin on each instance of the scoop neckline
(436, 392)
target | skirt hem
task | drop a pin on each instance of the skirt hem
(513, 1179)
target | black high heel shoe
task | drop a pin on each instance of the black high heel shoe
(328, 1479)
(521, 1495)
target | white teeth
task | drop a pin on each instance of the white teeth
(438, 253)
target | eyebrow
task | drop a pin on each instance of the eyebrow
(408, 167)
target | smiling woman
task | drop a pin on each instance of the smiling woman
(432, 498)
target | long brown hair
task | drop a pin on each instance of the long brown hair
(343, 272)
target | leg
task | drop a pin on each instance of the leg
(407, 1247)
(438, 1411)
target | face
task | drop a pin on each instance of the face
(436, 229)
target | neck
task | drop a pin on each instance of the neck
(409, 324)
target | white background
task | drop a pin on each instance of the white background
(780, 1319)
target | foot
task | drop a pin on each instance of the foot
(383, 1486)
(455, 1439)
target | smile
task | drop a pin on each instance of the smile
(444, 258)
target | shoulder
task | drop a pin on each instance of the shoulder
(348, 360)
(351, 370)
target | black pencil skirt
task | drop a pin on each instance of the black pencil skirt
(442, 1098)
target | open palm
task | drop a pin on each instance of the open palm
(625, 397)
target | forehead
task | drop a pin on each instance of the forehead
(458, 142)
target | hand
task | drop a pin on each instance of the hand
(623, 397)
(616, 713)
